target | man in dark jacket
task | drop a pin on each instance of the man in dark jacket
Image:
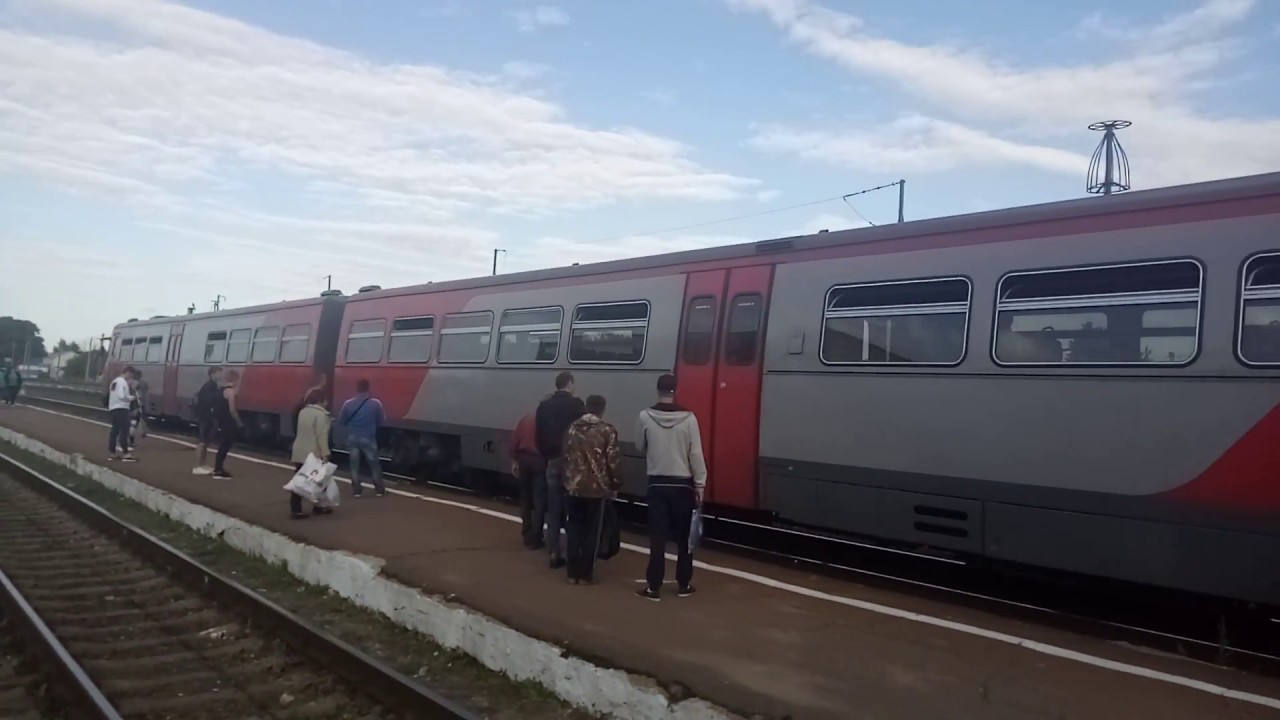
(551, 422)
(203, 406)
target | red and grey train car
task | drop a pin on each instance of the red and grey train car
(1087, 385)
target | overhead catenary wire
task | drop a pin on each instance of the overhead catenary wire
(761, 213)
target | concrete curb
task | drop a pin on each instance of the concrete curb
(609, 692)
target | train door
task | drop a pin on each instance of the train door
(171, 402)
(696, 359)
(735, 444)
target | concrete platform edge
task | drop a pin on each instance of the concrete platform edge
(358, 578)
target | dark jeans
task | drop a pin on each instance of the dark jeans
(227, 435)
(119, 435)
(533, 506)
(555, 506)
(670, 513)
(11, 394)
(583, 530)
(368, 449)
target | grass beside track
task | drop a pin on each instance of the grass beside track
(452, 673)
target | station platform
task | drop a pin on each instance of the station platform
(757, 639)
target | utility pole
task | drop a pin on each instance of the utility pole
(495, 259)
(328, 282)
(902, 197)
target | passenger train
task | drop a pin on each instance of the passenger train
(1089, 385)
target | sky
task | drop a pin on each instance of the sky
(157, 155)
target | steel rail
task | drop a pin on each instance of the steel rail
(68, 678)
(386, 685)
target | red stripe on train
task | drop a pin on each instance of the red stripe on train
(1246, 477)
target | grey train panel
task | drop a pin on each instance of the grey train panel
(450, 392)
(1044, 431)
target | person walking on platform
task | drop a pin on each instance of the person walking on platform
(10, 381)
(529, 469)
(119, 399)
(311, 438)
(551, 422)
(593, 473)
(229, 423)
(204, 406)
(669, 437)
(362, 415)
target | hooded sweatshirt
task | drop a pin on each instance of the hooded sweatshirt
(668, 435)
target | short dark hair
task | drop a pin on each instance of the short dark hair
(214, 369)
(130, 370)
(666, 384)
(362, 385)
(315, 396)
(595, 404)
(564, 380)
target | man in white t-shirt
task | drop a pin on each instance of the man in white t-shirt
(119, 398)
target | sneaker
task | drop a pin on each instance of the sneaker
(322, 511)
(380, 493)
(556, 563)
(299, 516)
(222, 474)
(648, 594)
(686, 591)
(202, 471)
(128, 458)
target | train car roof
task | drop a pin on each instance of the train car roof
(271, 307)
(1180, 195)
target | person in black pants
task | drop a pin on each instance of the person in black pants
(669, 437)
(119, 399)
(593, 474)
(229, 423)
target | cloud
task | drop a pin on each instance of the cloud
(541, 16)
(765, 196)
(1030, 114)
(230, 145)
(181, 97)
(914, 144)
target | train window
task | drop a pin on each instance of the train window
(699, 331)
(609, 333)
(155, 349)
(364, 341)
(126, 349)
(238, 346)
(742, 338)
(266, 340)
(1258, 334)
(215, 347)
(530, 336)
(914, 322)
(411, 339)
(1132, 314)
(465, 337)
(295, 341)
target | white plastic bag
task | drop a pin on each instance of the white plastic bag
(310, 481)
(695, 529)
(331, 496)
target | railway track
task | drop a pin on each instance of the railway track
(1195, 626)
(163, 637)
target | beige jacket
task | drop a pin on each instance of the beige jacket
(312, 434)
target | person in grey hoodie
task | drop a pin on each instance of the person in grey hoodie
(669, 437)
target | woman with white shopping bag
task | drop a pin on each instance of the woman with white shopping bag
(311, 442)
